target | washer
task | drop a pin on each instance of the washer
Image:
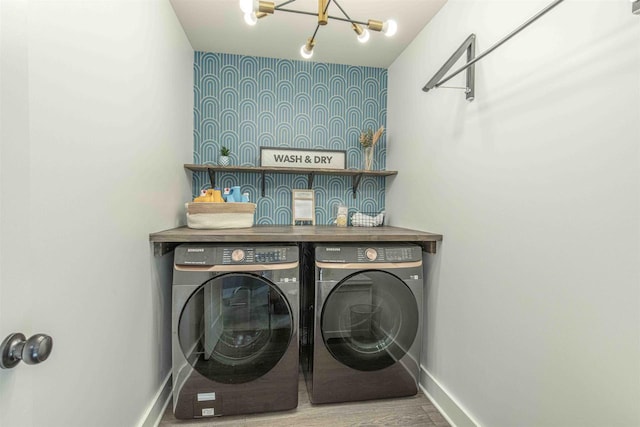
(362, 322)
(235, 329)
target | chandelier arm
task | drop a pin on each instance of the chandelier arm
(342, 10)
(313, 37)
(302, 12)
(327, 6)
(284, 4)
(352, 21)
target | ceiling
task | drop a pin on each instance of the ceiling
(218, 26)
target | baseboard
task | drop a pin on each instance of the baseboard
(450, 409)
(154, 413)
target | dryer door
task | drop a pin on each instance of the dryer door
(235, 328)
(370, 320)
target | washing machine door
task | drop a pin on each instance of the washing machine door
(370, 320)
(235, 328)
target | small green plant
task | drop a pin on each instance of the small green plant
(224, 151)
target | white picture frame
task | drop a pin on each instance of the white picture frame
(303, 206)
(303, 158)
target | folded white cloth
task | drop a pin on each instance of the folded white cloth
(359, 219)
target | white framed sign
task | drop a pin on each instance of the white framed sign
(295, 158)
(303, 206)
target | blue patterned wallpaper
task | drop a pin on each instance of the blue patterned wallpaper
(245, 102)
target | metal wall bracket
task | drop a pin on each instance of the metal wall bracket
(355, 181)
(212, 177)
(428, 247)
(635, 7)
(162, 248)
(469, 45)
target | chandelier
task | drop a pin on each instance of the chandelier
(254, 10)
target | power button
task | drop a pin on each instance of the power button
(371, 254)
(237, 255)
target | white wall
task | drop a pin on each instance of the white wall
(533, 299)
(96, 167)
(15, 299)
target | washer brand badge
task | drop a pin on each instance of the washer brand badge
(332, 249)
(195, 249)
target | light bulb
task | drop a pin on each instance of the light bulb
(390, 27)
(246, 6)
(364, 36)
(251, 18)
(305, 52)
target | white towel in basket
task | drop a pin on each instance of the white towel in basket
(361, 220)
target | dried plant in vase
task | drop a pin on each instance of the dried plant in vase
(368, 140)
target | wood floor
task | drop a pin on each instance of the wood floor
(406, 411)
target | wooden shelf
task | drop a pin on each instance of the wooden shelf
(165, 241)
(355, 174)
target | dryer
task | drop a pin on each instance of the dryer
(362, 324)
(234, 329)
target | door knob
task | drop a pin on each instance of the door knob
(17, 347)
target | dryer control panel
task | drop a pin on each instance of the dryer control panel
(349, 253)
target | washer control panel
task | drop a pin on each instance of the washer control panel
(252, 255)
(400, 254)
(207, 255)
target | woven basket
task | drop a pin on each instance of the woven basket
(220, 215)
(367, 219)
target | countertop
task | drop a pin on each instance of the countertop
(165, 241)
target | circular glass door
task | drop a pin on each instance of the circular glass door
(370, 320)
(235, 328)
